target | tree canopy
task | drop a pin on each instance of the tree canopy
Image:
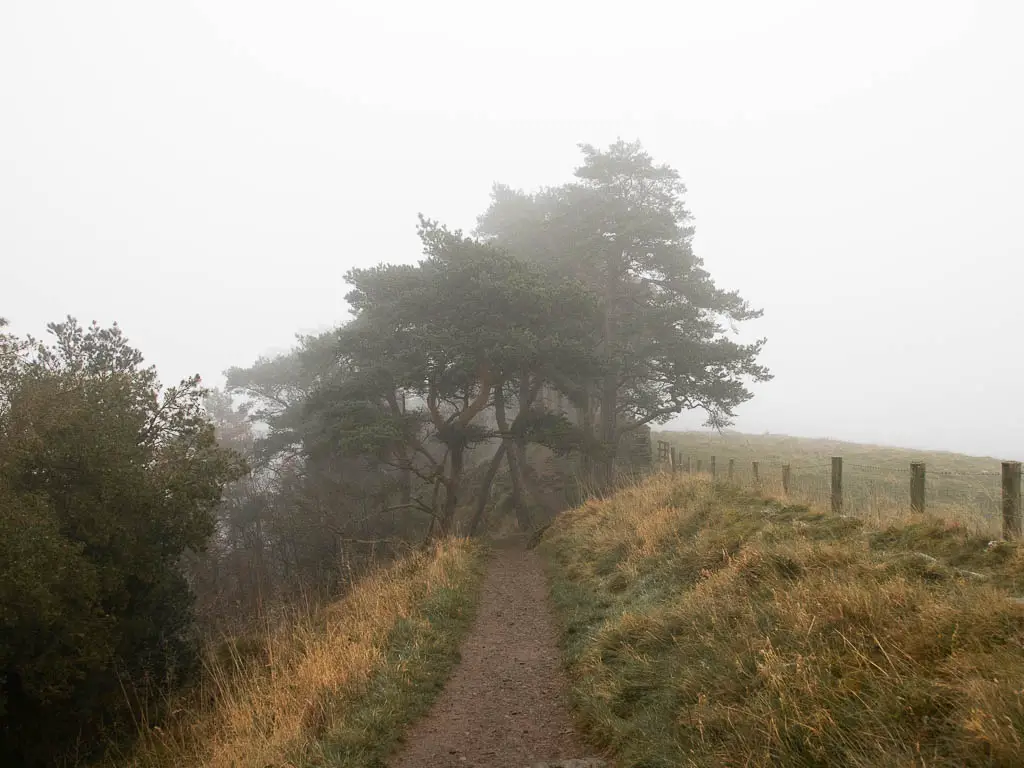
(622, 230)
(590, 289)
(446, 338)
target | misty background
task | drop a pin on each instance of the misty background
(204, 173)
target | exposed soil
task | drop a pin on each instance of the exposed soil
(505, 705)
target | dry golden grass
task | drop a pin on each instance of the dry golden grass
(710, 626)
(333, 687)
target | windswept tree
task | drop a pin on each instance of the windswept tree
(591, 288)
(622, 229)
(435, 345)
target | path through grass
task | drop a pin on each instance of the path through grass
(335, 688)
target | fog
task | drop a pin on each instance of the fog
(204, 173)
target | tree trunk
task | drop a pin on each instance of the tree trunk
(531, 482)
(587, 423)
(519, 446)
(610, 384)
(451, 497)
(608, 432)
(518, 498)
(455, 439)
(397, 407)
(260, 577)
(485, 490)
(522, 514)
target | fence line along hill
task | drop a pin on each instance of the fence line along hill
(873, 482)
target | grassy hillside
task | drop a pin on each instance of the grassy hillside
(876, 479)
(708, 626)
(334, 688)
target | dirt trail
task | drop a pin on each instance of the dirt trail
(505, 705)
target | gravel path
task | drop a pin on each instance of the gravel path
(505, 705)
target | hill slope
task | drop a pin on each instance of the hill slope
(876, 478)
(710, 626)
(332, 688)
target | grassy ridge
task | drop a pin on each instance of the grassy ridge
(876, 479)
(711, 627)
(334, 688)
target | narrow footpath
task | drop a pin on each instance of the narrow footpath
(506, 704)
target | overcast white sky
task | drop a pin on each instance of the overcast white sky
(205, 172)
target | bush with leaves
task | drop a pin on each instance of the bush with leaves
(104, 483)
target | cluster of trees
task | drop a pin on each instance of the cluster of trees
(414, 419)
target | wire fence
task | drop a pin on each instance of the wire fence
(987, 502)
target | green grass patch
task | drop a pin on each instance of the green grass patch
(876, 479)
(421, 653)
(712, 626)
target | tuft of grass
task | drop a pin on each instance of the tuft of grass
(710, 626)
(334, 687)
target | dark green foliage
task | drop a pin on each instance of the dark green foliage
(318, 491)
(623, 232)
(590, 290)
(104, 483)
(556, 432)
(433, 346)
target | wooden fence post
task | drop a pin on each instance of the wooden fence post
(687, 465)
(712, 467)
(1011, 500)
(917, 486)
(785, 479)
(672, 459)
(756, 467)
(837, 485)
(700, 464)
(732, 466)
